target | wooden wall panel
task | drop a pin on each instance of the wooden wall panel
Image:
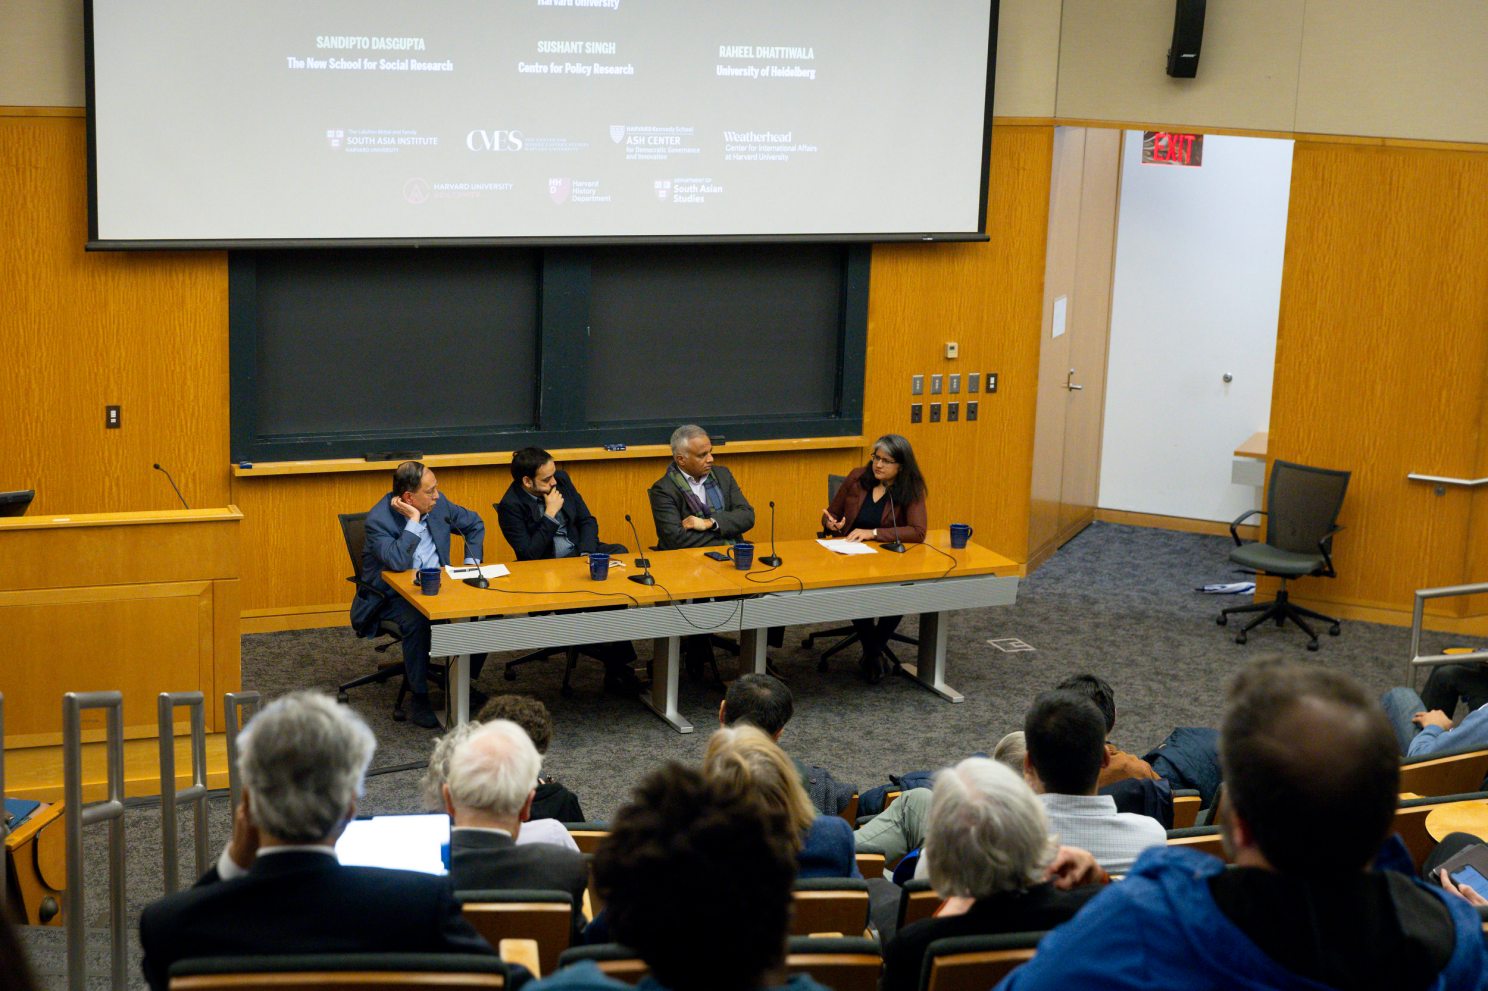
(1381, 353)
(147, 331)
(987, 298)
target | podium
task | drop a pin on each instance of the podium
(142, 603)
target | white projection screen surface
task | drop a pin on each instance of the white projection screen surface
(217, 123)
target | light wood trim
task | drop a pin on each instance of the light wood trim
(1179, 524)
(43, 111)
(1455, 774)
(522, 952)
(1254, 446)
(280, 620)
(1185, 810)
(36, 772)
(1361, 140)
(120, 519)
(964, 971)
(1210, 843)
(560, 455)
(349, 980)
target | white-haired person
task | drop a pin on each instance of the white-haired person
(278, 887)
(488, 789)
(990, 856)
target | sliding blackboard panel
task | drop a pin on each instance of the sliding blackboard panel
(743, 331)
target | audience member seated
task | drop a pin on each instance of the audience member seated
(278, 888)
(553, 800)
(765, 701)
(431, 790)
(488, 794)
(990, 842)
(697, 877)
(1121, 765)
(1421, 731)
(1066, 738)
(1311, 776)
(1448, 683)
(743, 757)
(1011, 750)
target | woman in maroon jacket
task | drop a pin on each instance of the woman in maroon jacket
(882, 501)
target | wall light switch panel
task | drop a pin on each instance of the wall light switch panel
(955, 382)
(971, 410)
(916, 412)
(953, 350)
(991, 383)
(111, 417)
(973, 381)
(935, 384)
(916, 385)
(935, 412)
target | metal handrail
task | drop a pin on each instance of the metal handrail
(196, 793)
(1467, 483)
(237, 708)
(111, 811)
(1418, 614)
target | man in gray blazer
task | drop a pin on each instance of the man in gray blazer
(695, 503)
(488, 793)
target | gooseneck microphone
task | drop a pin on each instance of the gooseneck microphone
(641, 562)
(773, 561)
(896, 545)
(173, 483)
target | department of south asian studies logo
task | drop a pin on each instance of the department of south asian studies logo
(559, 189)
(617, 133)
(663, 189)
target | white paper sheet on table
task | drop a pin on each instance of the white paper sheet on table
(847, 547)
(463, 571)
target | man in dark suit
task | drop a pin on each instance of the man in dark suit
(410, 527)
(278, 888)
(543, 516)
(697, 504)
(488, 792)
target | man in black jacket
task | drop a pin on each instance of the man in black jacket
(278, 888)
(543, 516)
(488, 793)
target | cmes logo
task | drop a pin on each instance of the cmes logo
(479, 140)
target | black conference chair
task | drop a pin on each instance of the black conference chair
(16, 503)
(1302, 506)
(848, 634)
(354, 530)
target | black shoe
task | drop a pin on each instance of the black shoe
(420, 713)
(477, 701)
(871, 668)
(623, 682)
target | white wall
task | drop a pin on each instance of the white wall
(1197, 286)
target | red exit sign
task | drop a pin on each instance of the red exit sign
(1172, 148)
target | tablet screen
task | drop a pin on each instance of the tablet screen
(1473, 878)
(407, 842)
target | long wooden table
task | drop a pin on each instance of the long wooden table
(812, 585)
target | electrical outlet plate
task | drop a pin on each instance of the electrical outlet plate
(955, 383)
(916, 412)
(973, 381)
(935, 412)
(971, 410)
(916, 385)
(953, 412)
(936, 382)
(952, 350)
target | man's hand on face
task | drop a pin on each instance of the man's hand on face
(553, 502)
(405, 509)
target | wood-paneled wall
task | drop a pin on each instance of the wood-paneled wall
(149, 331)
(146, 331)
(1382, 361)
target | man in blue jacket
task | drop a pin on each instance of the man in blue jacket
(410, 528)
(1311, 774)
(1423, 730)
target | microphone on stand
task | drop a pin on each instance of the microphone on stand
(641, 562)
(773, 561)
(896, 545)
(173, 483)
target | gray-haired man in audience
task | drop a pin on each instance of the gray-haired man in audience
(278, 888)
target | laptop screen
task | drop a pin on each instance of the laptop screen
(406, 842)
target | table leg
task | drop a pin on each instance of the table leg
(666, 664)
(753, 655)
(457, 691)
(930, 671)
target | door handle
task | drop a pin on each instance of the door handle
(1069, 382)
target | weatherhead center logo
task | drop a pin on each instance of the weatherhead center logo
(479, 140)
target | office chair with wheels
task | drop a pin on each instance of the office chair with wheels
(354, 531)
(849, 634)
(1302, 506)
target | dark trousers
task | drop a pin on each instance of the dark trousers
(1450, 682)
(415, 631)
(874, 634)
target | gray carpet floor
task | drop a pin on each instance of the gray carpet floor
(1116, 601)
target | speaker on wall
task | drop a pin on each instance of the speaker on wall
(1188, 37)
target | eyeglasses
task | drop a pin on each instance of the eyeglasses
(879, 460)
